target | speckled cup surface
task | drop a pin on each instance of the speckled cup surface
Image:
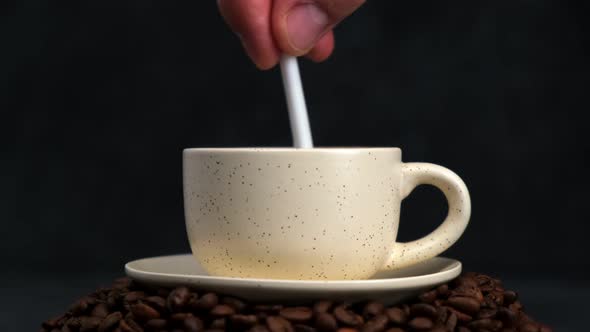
(309, 214)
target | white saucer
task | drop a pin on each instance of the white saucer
(388, 286)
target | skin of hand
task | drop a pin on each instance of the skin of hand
(268, 28)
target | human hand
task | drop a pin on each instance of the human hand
(268, 28)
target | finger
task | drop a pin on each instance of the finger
(250, 20)
(297, 25)
(323, 48)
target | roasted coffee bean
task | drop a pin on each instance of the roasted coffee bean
(438, 329)
(52, 323)
(322, 306)
(79, 307)
(143, 311)
(259, 328)
(443, 290)
(178, 298)
(89, 323)
(510, 297)
(421, 323)
(347, 329)
(219, 323)
(423, 309)
(463, 329)
(132, 297)
(373, 309)
(377, 324)
(180, 317)
(156, 302)
(279, 324)
(73, 323)
(100, 310)
(244, 320)
(110, 321)
(296, 314)
(395, 329)
(451, 322)
(428, 297)
(222, 310)
(347, 317)
(133, 325)
(238, 305)
(485, 323)
(396, 315)
(206, 302)
(462, 317)
(156, 324)
(304, 328)
(487, 313)
(466, 305)
(507, 316)
(326, 322)
(529, 327)
(211, 330)
(124, 282)
(192, 324)
(275, 308)
(442, 314)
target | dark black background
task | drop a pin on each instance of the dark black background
(106, 94)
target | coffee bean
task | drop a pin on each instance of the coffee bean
(238, 305)
(211, 330)
(156, 302)
(347, 329)
(79, 307)
(443, 290)
(244, 320)
(133, 325)
(275, 308)
(451, 322)
(73, 323)
(438, 329)
(132, 297)
(222, 310)
(528, 327)
(259, 328)
(485, 323)
(177, 299)
(322, 306)
(279, 324)
(347, 317)
(420, 323)
(219, 323)
(89, 323)
(377, 324)
(422, 309)
(373, 309)
(467, 305)
(100, 310)
(304, 328)
(156, 324)
(206, 302)
(428, 297)
(487, 313)
(396, 315)
(507, 316)
(510, 297)
(143, 311)
(463, 329)
(395, 329)
(179, 317)
(193, 324)
(52, 323)
(462, 317)
(326, 322)
(110, 321)
(296, 314)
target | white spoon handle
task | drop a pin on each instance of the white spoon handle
(296, 103)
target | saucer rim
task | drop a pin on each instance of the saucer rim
(451, 271)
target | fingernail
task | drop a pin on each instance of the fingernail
(305, 25)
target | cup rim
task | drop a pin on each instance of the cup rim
(292, 149)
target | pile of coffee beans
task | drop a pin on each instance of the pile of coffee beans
(472, 302)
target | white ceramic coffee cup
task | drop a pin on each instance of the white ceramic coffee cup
(323, 213)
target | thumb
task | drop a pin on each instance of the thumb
(299, 24)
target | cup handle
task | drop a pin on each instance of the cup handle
(413, 175)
